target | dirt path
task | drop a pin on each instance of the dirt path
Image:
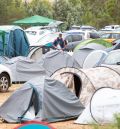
(58, 125)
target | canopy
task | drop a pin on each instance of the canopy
(34, 20)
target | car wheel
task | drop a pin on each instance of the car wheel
(4, 82)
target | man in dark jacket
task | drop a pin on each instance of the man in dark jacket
(59, 43)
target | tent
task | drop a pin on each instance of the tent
(103, 107)
(86, 56)
(2, 42)
(89, 41)
(13, 41)
(113, 58)
(41, 101)
(86, 81)
(24, 69)
(34, 20)
(35, 53)
(55, 60)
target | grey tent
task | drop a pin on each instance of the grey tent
(41, 94)
(24, 69)
(55, 60)
(81, 54)
(35, 53)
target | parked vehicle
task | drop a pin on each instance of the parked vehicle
(5, 78)
(110, 36)
(112, 27)
(87, 28)
(34, 34)
(86, 34)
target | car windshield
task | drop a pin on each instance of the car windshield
(105, 36)
(31, 32)
(112, 58)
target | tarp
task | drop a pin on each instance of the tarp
(42, 95)
(24, 69)
(34, 20)
(103, 107)
(15, 42)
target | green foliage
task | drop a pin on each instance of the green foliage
(11, 10)
(97, 13)
(40, 7)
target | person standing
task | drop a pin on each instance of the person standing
(59, 43)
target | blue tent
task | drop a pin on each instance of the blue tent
(14, 41)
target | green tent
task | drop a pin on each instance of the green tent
(97, 41)
(34, 20)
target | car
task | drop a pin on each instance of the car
(86, 34)
(110, 36)
(5, 78)
(87, 28)
(74, 27)
(72, 41)
(112, 27)
(34, 34)
(104, 31)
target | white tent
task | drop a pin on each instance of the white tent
(89, 80)
(104, 105)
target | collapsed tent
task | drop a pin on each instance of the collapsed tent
(41, 101)
(55, 60)
(86, 81)
(24, 69)
(104, 105)
(13, 41)
(90, 55)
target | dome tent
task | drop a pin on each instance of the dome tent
(89, 80)
(42, 95)
(103, 107)
(88, 52)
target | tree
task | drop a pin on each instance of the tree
(10, 7)
(40, 7)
